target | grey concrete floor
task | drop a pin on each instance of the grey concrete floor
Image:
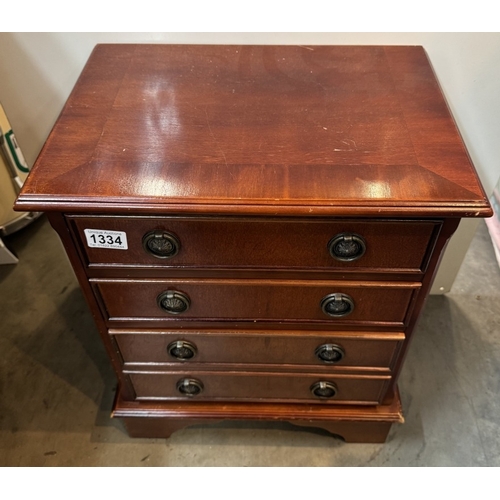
(57, 388)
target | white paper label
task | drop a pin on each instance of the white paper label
(97, 238)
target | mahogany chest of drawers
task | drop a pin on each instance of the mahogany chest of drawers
(255, 228)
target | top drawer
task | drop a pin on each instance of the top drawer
(259, 243)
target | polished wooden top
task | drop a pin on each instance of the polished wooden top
(314, 130)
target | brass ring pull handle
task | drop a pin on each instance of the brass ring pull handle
(347, 247)
(182, 350)
(189, 387)
(324, 389)
(161, 244)
(329, 353)
(173, 302)
(337, 305)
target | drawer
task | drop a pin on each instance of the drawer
(259, 386)
(358, 350)
(255, 300)
(260, 243)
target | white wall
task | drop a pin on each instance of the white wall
(38, 70)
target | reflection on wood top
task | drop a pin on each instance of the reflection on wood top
(316, 130)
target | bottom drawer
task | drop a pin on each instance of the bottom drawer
(259, 386)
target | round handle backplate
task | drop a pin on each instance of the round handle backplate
(337, 305)
(329, 353)
(347, 247)
(189, 387)
(324, 389)
(173, 302)
(161, 244)
(182, 350)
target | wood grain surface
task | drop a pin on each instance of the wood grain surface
(256, 129)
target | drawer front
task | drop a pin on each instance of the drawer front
(251, 386)
(254, 300)
(184, 348)
(259, 243)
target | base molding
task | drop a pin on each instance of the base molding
(355, 424)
